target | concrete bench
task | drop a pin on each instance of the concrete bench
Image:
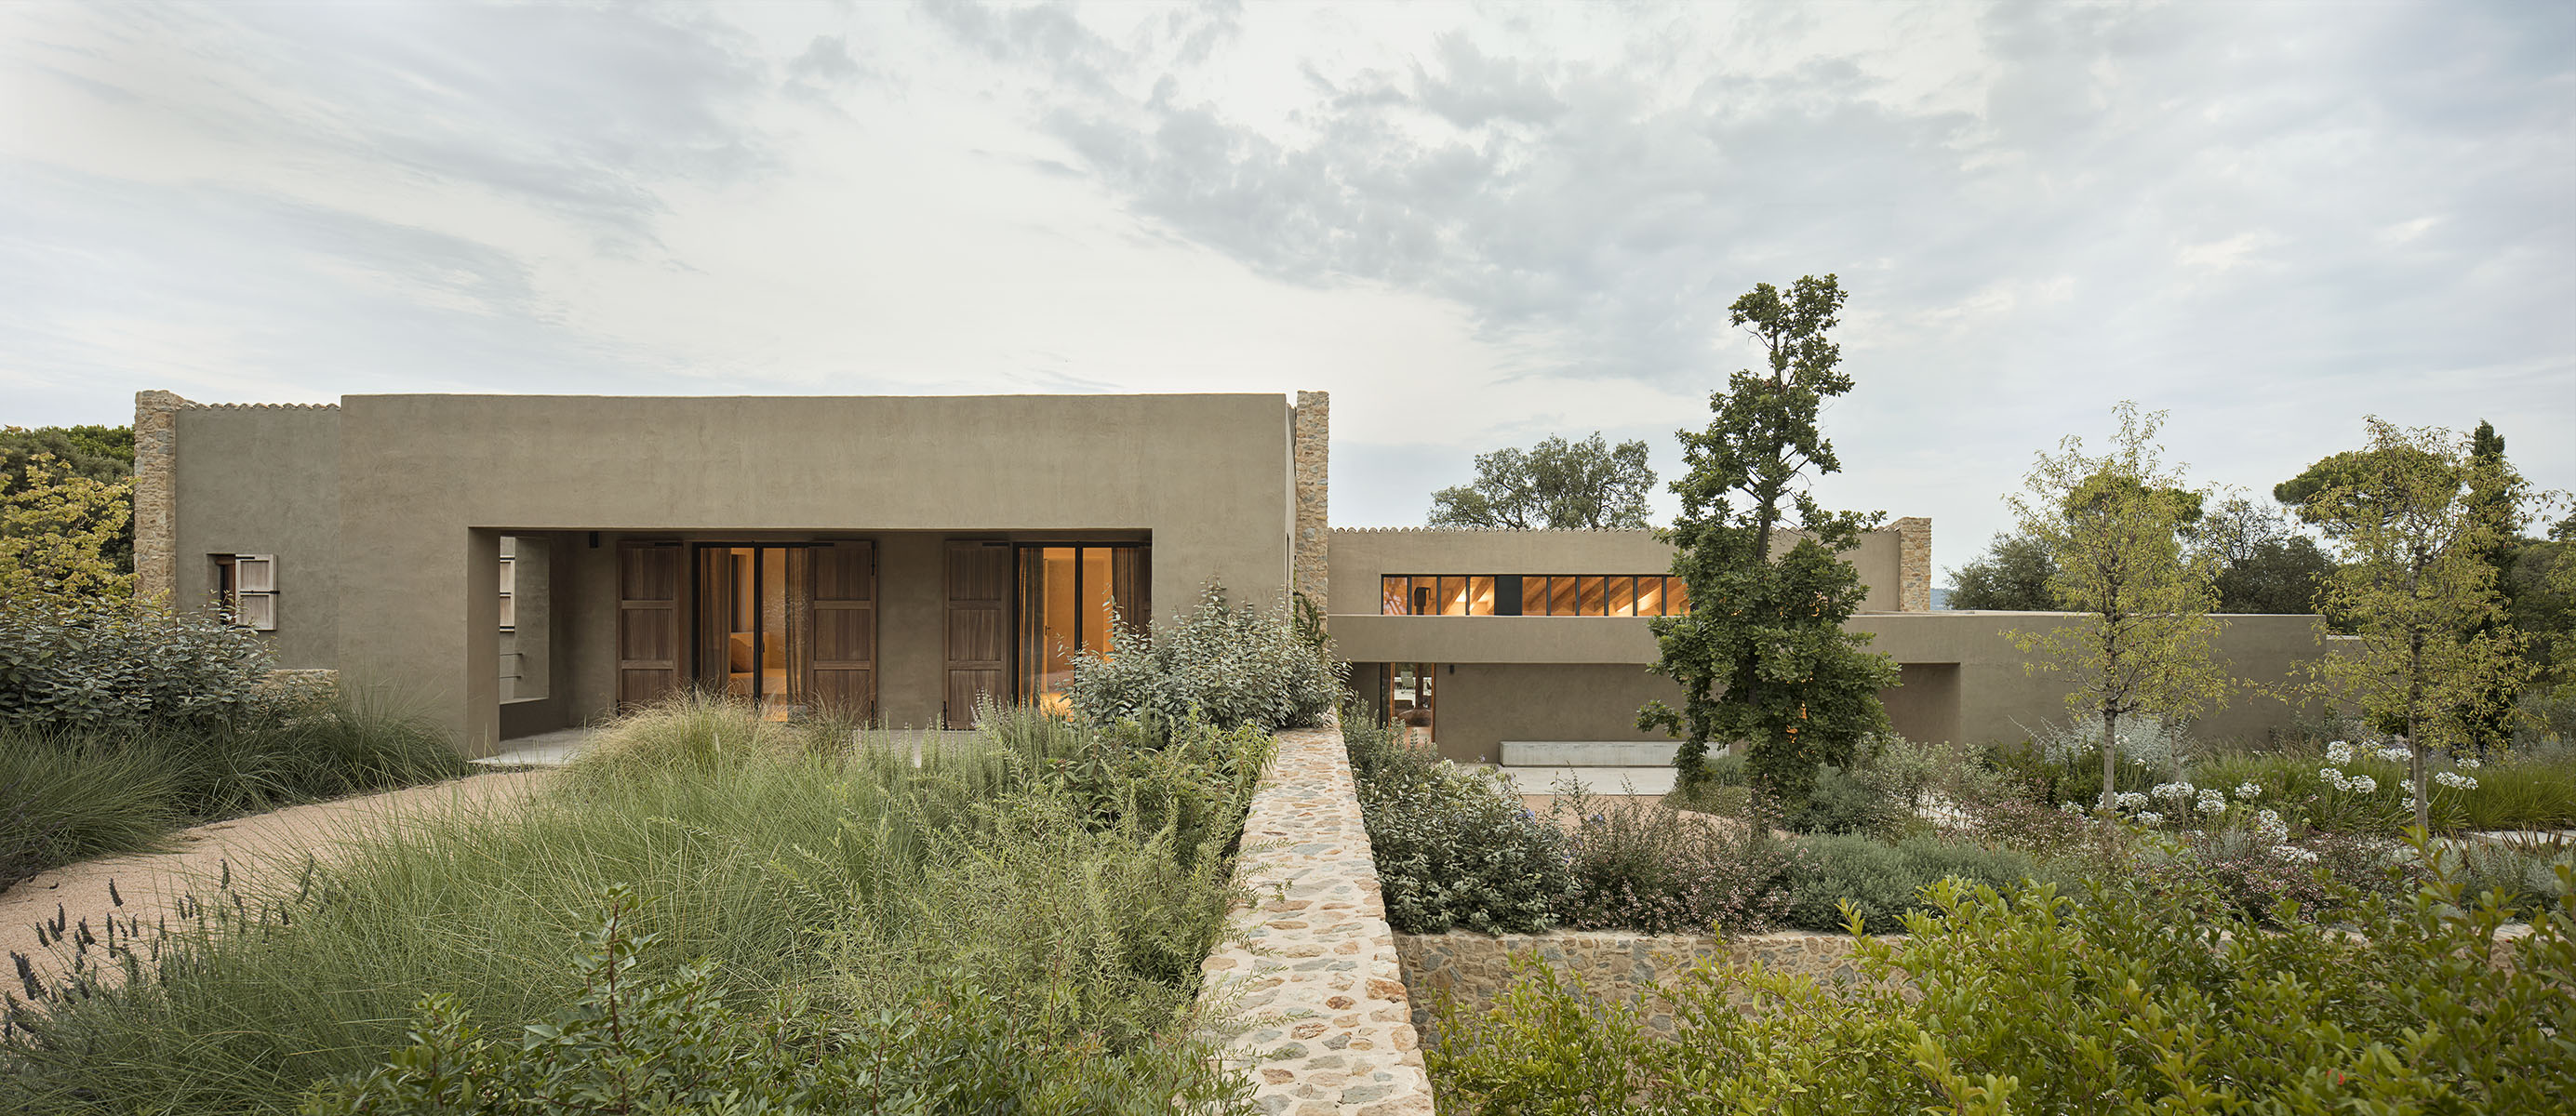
(1588, 753)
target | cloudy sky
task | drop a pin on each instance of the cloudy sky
(1476, 225)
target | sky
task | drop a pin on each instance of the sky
(1476, 225)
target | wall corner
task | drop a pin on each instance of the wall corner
(1913, 564)
(1310, 557)
(156, 495)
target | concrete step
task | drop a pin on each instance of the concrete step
(1594, 780)
(1588, 753)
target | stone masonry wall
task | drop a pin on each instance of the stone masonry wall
(1311, 437)
(1913, 564)
(156, 479)
(1313, 998)
(1463, 971)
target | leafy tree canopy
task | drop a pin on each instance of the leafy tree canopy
(2121, 527)
(2414, 516)
(1762, 657)
(2265, 565)
(1556, 483)
(2011, 576)
(101, 455)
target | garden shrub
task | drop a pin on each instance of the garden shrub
(1221, 664)
(1882, 882)
(77, 665)
(2024, 1001)
(1841, 801)
(1454, 846)
(1649, 867)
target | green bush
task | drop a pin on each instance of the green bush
(1223, 665)
(1840, 801)
(681, 1047)
(1648, 867)
(1882, 882)
(1454, 846)
(2026, 1002)
(112, 663)
(867, 880)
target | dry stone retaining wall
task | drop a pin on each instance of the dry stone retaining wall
(1314, 990)
(1463, 971)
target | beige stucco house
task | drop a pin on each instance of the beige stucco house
(510, 565)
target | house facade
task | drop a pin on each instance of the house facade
(508, 565)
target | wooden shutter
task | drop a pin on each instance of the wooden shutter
(979, 582)
(648, 622)
(845, 629)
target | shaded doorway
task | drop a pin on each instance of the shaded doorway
(1409, 702)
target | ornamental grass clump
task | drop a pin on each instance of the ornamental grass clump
(1002, 923)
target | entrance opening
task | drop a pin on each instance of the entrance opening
(1408, 701)
(752, 626)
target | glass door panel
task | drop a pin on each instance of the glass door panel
(751, 620)
(1071, 598)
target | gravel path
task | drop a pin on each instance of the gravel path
(148, 882)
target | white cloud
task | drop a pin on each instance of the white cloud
(1475, 225)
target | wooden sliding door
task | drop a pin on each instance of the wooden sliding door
(648, 621)
(978, 623)
(844, 603)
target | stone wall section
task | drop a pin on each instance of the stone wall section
(156, 479)
(1308, 993)
(1913, 564)
(1467, 972)
(1311, 552)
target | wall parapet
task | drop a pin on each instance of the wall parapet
(1308, 988)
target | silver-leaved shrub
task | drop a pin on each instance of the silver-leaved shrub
(1223, 665)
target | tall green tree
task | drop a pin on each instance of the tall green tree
(2011, 576)
(58, 530)
(2414, 518)
(2488, 720)
(99, 453)
(1762, 657)
(2265, 564)
(1556, 483)
(2120, 527)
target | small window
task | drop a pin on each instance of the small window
(509, 587)
(1533, 595)
(1480, 595)
(1593, 600)
(1676, 597)
(1650, 596)
(1453, 596)
(1392, 594)
(246, 589)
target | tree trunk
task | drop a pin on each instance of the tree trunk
(2110, 756)
(2415, 734)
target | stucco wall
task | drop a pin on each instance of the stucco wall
(1480, 705)
(1362, 555)
(429, 482)
(262, 480)
(1582, 678)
